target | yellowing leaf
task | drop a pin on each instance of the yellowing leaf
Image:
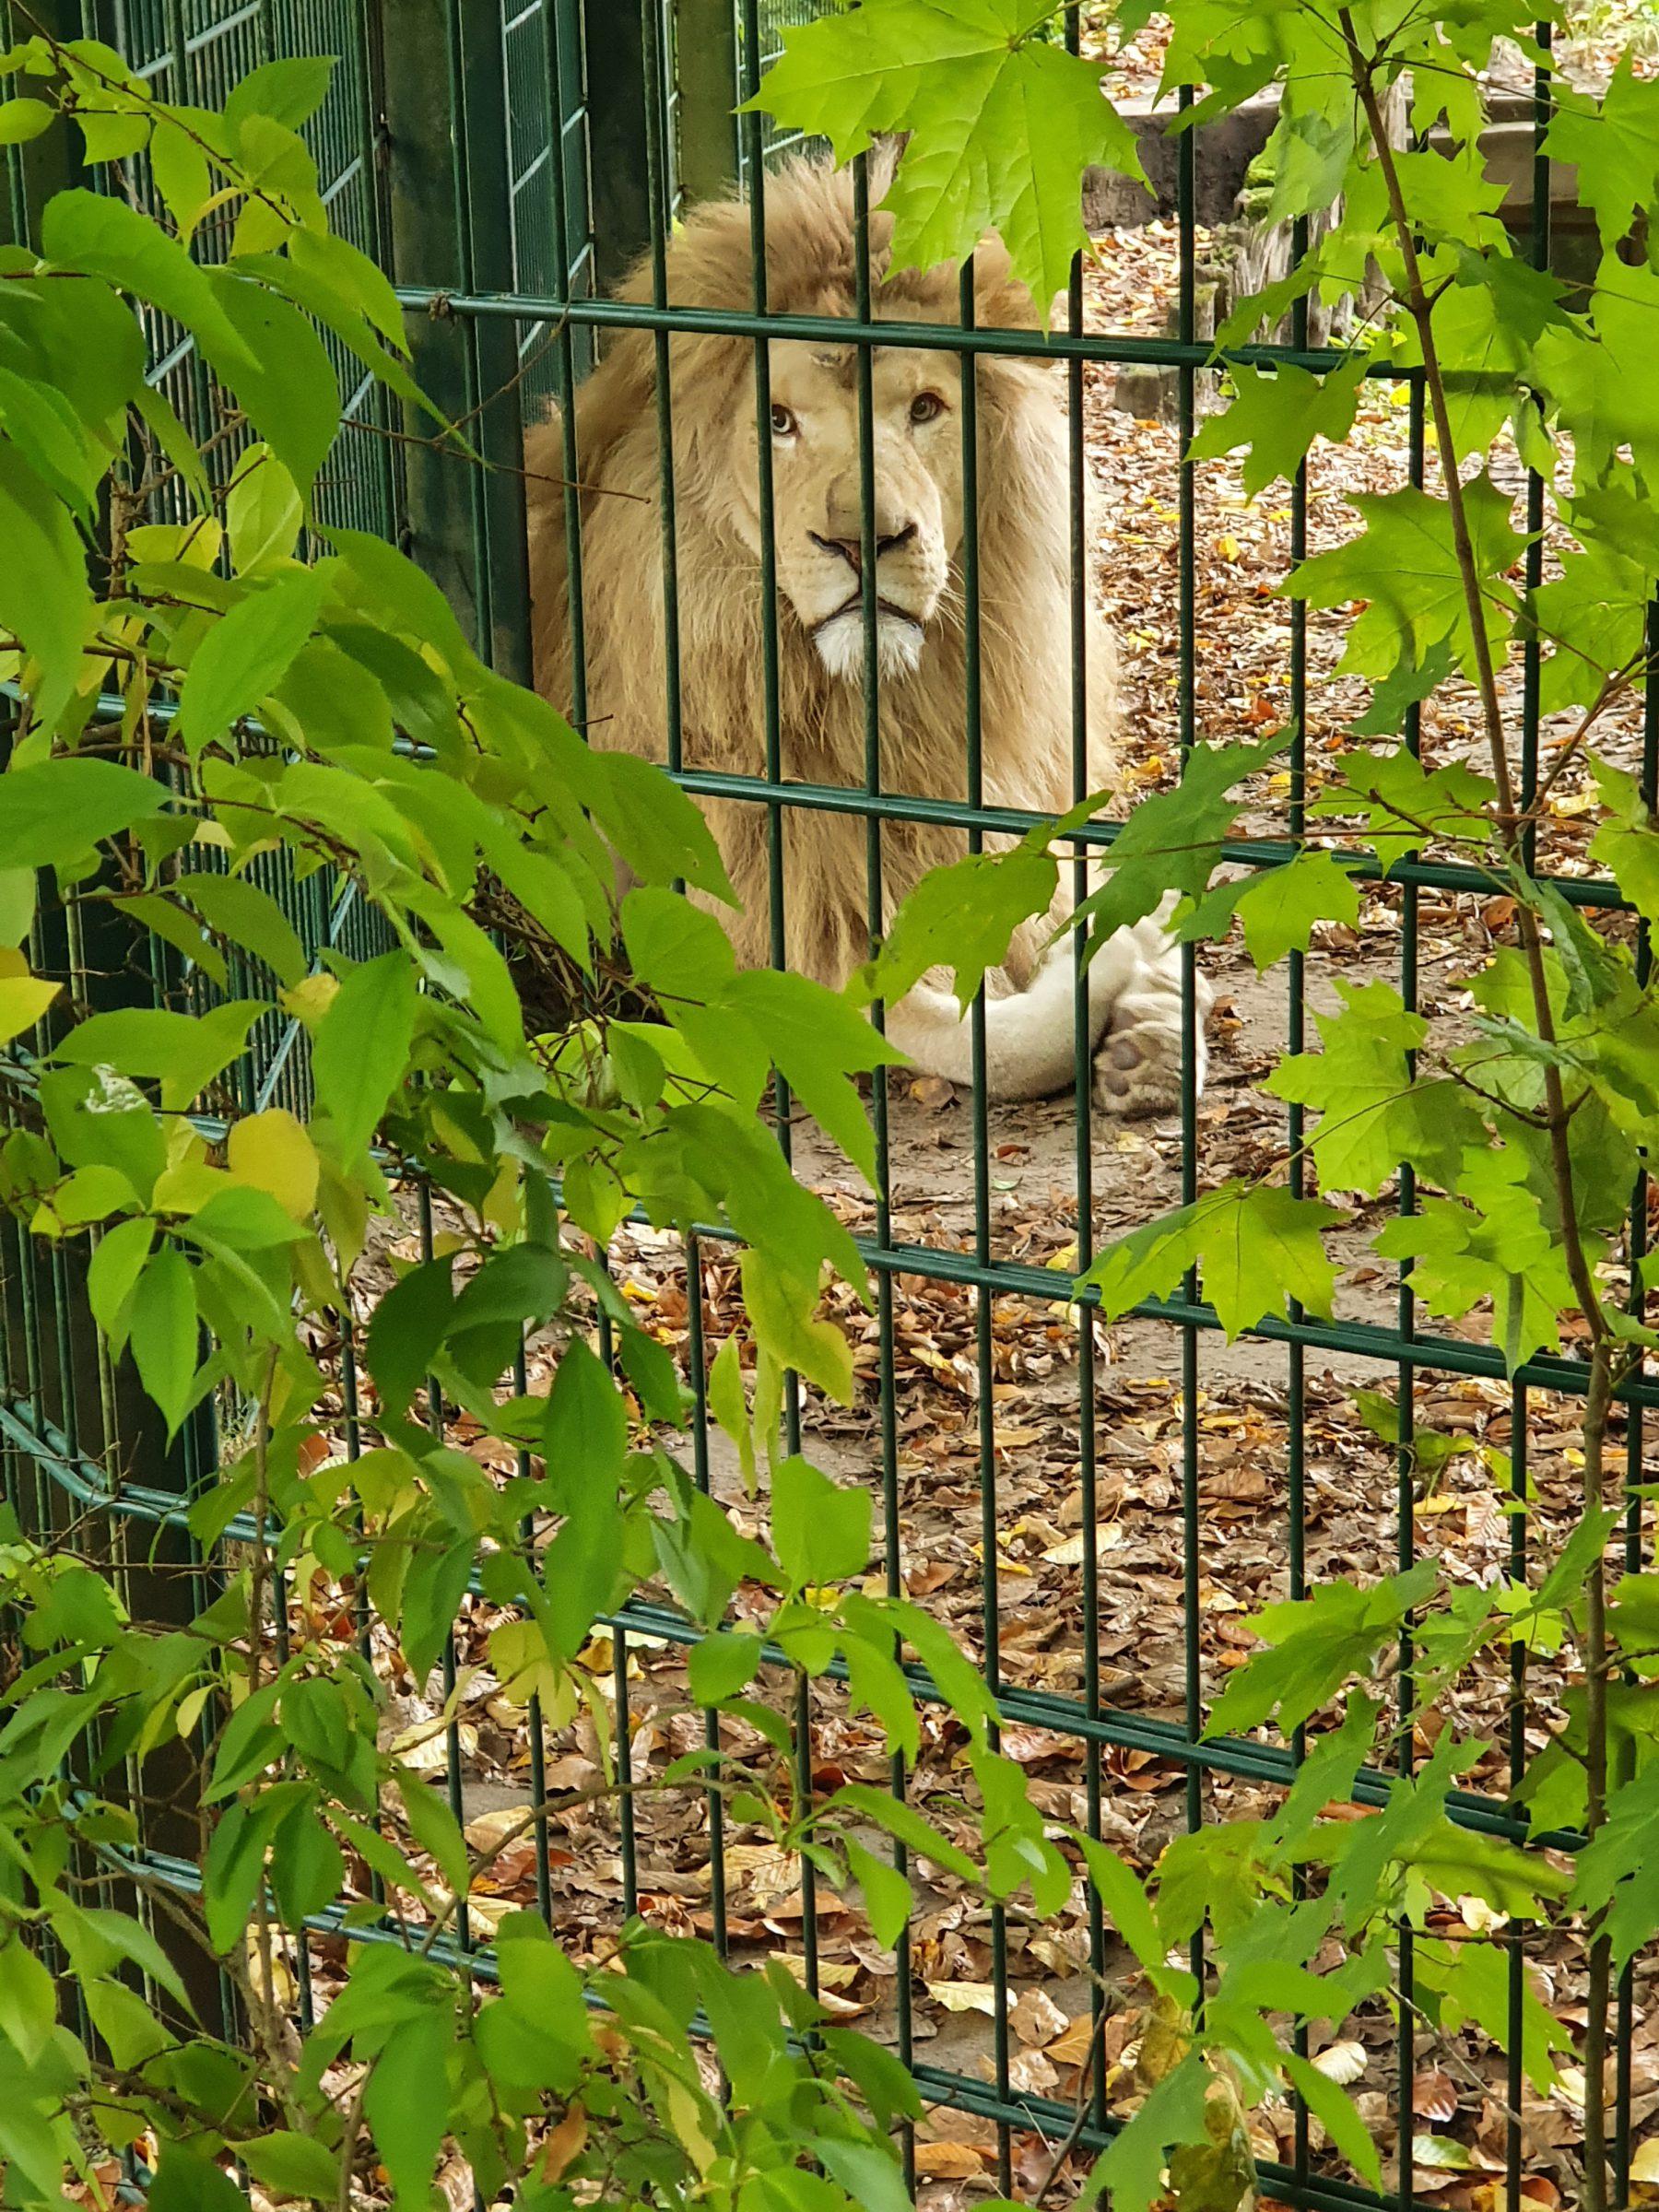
(273, 1152)
(23, 1000)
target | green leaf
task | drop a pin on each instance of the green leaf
(183, 1053)
(45, 601)
(1315, 1644)
(289, 91)
(263, 513)
(1125, 1898)
(407, 2106)
(1172, 841)
(1257, 1244)
(959, 917)
(1335, 2111)
(1263, 1251)
(820, 1531)
(1278, 415)
(293, 2165)
(54, 811)
(869, 2172)
(405, 1330)
(785, 1325)
(1281, 906)
(730, 1408)
(247, 652)
(185, 2181)
(1406, 567)
(1374, 1117)
(586, 1449)
(1129, 2172)
(28, 1995)
(23, 118)
(1472, 1982)
(100, 235)
(818, 1041)
(235, 907)
(280, 373)
(1003, 125)
(1613, 142)
(1402, 802)
(1494, 1243)
(435, 1831)
(163, 1332)
(722, 1665)
(361, 1048)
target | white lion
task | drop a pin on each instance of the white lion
(1024, 544)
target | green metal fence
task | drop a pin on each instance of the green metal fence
(558, 155)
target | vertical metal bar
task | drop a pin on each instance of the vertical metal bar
(625, 1771)
(1404, 1485)
(876, 898)
(451, 1734)
(1295, 1011)
(1520, 1411)
(984, 1297)
(778, 937)
(651, 26)
(1187, 394)
(577, 704)
(1083, 1152)
(427, 238)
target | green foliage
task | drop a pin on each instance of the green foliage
(244, 698)
(1518, 1128)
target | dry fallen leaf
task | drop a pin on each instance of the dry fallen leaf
(1342, 2063)
(1036, 2018)
(965, 1996)
(1434, 2096)
(950, 2161)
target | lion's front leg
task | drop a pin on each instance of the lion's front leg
(1138, 1068)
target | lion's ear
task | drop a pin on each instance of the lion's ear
(1000, 300)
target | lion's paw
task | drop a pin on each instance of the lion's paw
(1137, 1071)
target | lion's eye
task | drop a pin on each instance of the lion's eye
(927, 406)
(783, 424)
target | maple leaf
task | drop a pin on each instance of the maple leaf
(1373, 1119)
(1278, 415)
(1614, 143)
(1278, 906)
(1001, 125)
(1257, 1244)
(1406, 567)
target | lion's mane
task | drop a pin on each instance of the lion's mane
(1025, 579)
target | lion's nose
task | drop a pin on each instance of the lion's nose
(852, 549)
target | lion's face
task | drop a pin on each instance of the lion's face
(818, 506)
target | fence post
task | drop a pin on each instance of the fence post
(707, 47)
(443, 154)
(615, 84)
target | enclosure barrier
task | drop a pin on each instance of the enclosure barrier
(567, 135)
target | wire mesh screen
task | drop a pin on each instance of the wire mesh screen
(1159, 1437)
